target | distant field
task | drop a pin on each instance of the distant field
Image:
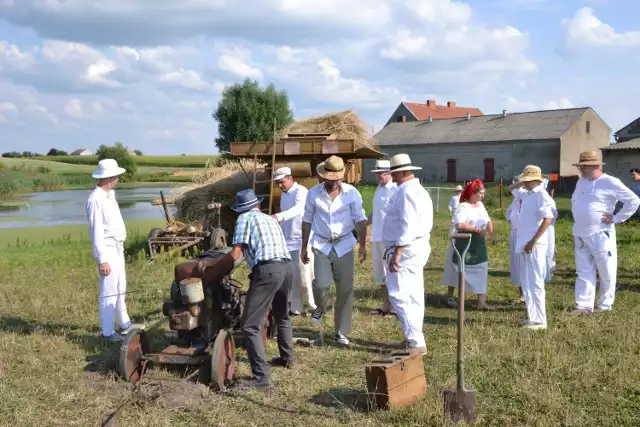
(54, 166)
(163, 161)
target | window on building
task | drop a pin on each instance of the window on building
(399, 119)
(588, 126)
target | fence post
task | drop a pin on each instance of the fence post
(501, 182)
(438, 201)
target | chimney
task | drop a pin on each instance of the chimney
(430, 119)
(504, 113)
(468, 116)
(451, 104)
(431, 103)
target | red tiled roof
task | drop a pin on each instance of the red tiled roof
(423, 111)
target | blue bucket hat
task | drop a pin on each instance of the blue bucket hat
(246, 200)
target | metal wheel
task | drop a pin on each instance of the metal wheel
(223, 360)
(130, 363)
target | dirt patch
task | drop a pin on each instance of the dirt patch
(172, 394)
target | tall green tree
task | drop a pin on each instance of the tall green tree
(121, 155)
(247, 112)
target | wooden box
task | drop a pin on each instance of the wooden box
(396, 381)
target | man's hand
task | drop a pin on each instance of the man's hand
(394, 262)
(362, 253)
(104, 269)
(274, 216)
(607, 218)
(202, 266)
(529, 246)
(304, 257)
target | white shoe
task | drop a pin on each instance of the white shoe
(316, 316)
(535, 326)
(132, 326)
(341, 339)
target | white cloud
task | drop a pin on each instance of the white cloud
(515, 105)
(585, 30)
(235, 60)
(74, 108)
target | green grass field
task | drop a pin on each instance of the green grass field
(55, 370)
(163, 161)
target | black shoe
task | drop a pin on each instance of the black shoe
(281, 363)
(252, 383)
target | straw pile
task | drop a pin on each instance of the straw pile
(342, 125)
(215, 184)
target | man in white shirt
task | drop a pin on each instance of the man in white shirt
(535, 214)
(332, 210)
(406, 233)
(454, 203)
(384, 193)
(292, 203)
(108, 233)
(595, 247)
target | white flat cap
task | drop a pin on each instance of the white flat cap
(281, 173)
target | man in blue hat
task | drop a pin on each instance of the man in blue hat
(259, 238)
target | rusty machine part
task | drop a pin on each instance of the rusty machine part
(206, 313)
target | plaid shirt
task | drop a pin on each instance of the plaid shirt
(261, 237)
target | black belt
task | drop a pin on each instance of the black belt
(272, 261)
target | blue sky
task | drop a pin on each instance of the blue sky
(80, 73)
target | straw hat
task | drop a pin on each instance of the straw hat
(281, 173)
(381, 166)
(589, 158)
(530, 173)
(331, 169)
(459, 188)
(107, 168)
(402, 162)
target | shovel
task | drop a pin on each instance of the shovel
(459, 403)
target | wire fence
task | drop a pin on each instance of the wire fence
(441, 197)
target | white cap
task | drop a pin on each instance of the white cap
(107, 168)
(458, 187)
(281, 173)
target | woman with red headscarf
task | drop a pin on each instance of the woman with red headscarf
(470, 217)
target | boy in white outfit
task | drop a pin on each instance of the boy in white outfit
(535, 215)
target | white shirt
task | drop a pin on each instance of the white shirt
(593, 198)
(380, 202)
(290, 215)
(454, 203)
(533, 206)
(512, 211)
(106, 226)
(333, 219)
(409, 215)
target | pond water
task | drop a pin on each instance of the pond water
(68, 207)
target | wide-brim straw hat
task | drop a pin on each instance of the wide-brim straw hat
(530, 173)
(331, 169)
(402, 162)
(381, 166)
(107, 168)
(589, 158)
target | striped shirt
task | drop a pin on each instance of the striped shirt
(261, 237)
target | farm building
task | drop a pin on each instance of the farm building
(411, 111)
(81, 152)
(625, 153)
(491, 147)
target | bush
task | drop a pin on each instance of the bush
(121, 155)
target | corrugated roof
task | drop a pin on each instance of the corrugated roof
(632, 144)
(423, 111)
(532, 125)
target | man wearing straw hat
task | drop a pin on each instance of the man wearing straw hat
(405, 233)
(108, 233)
(535, 214)
(454, 203)
(259, 238)
(596, 253)
(332, 211)
(292, 203)
(384, 193)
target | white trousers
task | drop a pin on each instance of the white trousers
(407, 293)
(551, 253)
(113, 287)
(532, 270)
(596, 255)
(378, 263)
(302, 281)
(514, 260)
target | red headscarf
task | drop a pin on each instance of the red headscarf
(470, 190)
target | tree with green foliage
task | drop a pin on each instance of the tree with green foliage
(247, 112)
(121, 155)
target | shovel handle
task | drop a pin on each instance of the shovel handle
(461, 286)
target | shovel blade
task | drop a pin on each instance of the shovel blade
(460, 405)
